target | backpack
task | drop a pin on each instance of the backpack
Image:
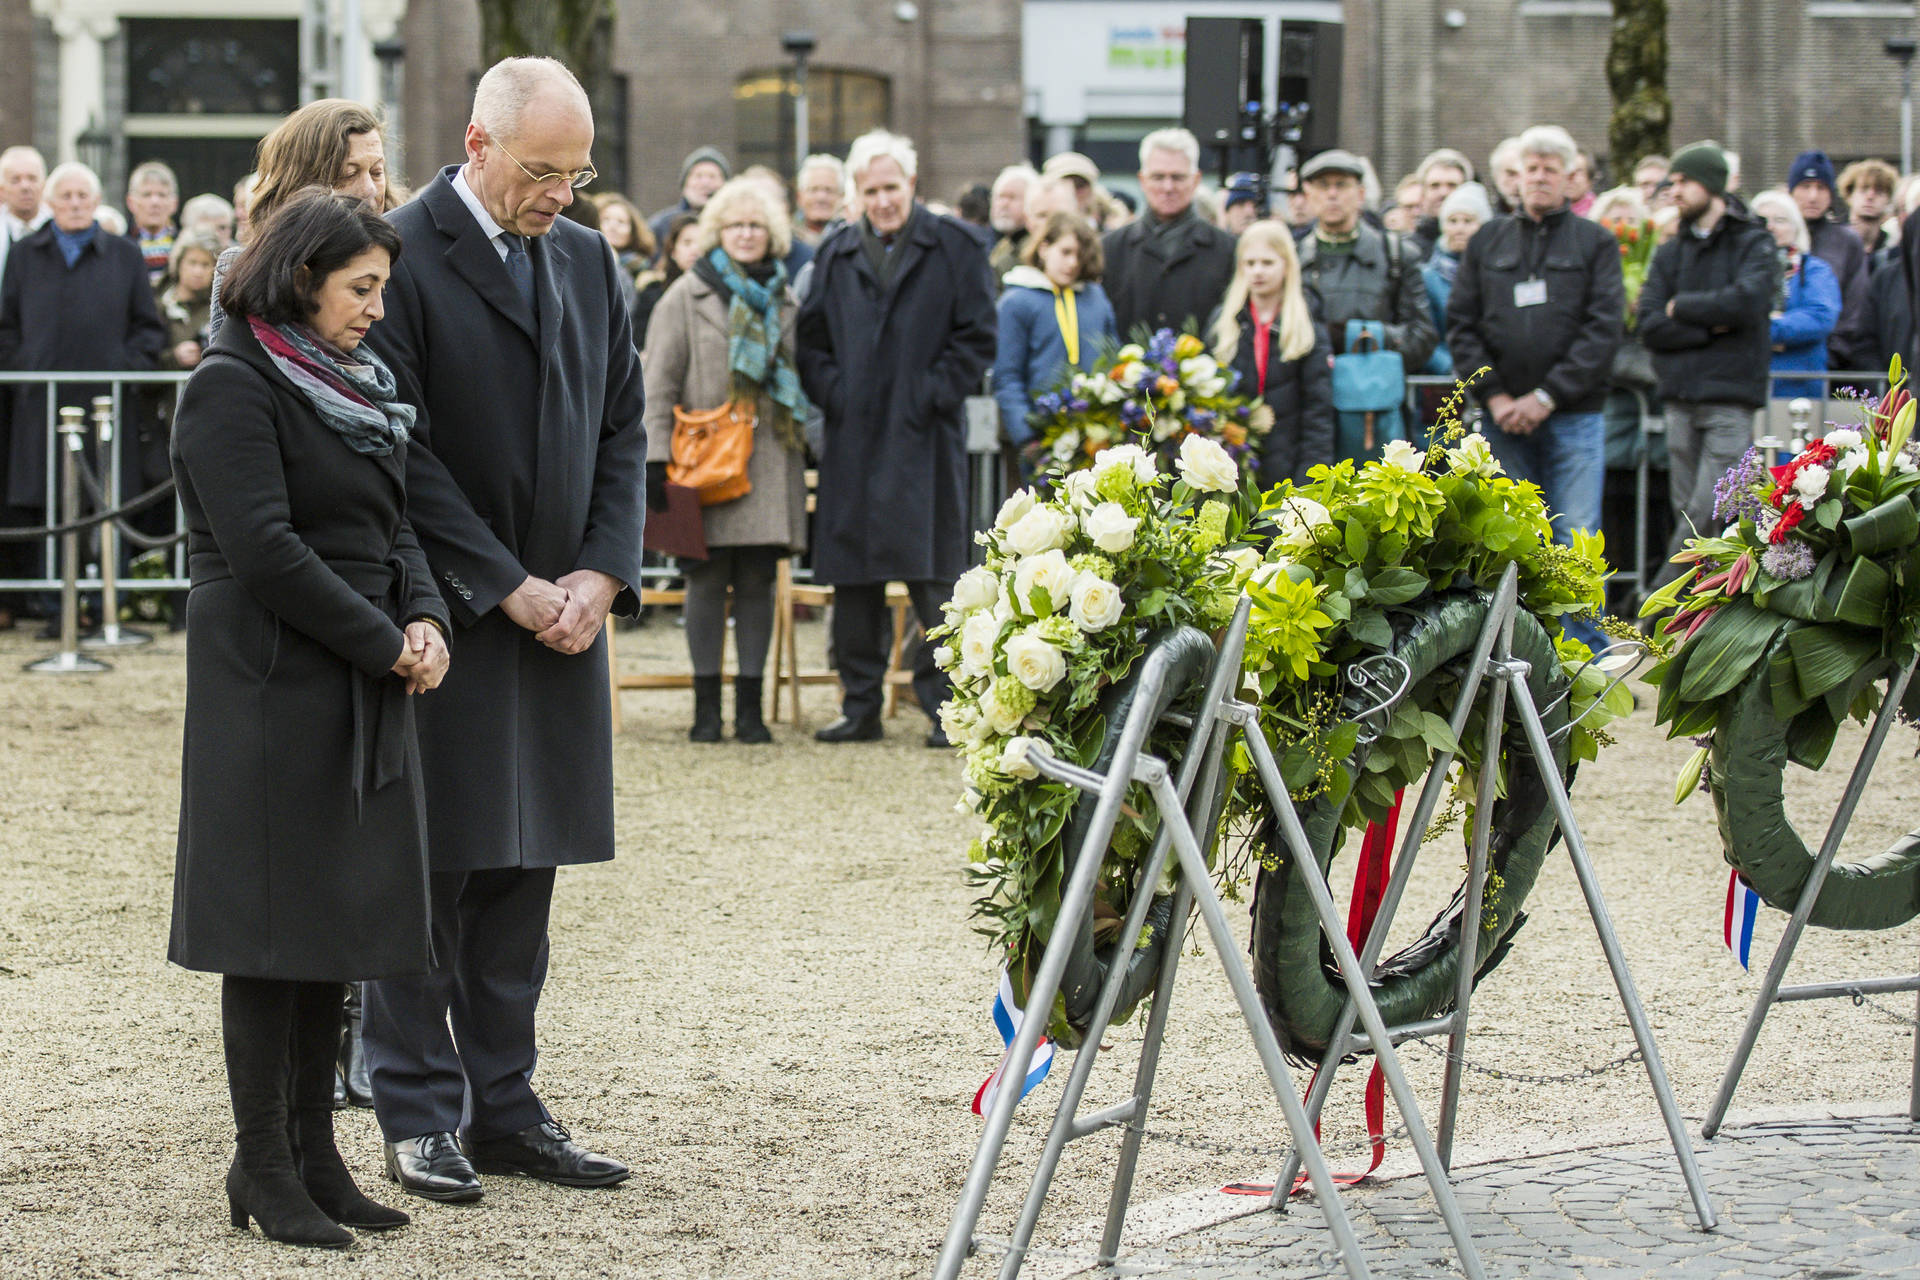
(1369, 393)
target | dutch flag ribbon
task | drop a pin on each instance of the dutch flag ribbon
(1007, 1017)
(1743, 907)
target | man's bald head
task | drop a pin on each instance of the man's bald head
(517, 91)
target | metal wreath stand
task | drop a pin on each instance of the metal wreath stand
(1771, 992)
(1187, 801)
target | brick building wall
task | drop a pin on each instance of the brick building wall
(953, 73)
(1766, 77)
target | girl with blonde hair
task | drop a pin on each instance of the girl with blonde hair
(1267, 332)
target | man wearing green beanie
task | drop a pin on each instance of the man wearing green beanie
(1704, 314)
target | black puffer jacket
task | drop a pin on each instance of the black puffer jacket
(1379, 279)
(1714, 348)
(1564, 345)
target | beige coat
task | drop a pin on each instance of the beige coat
(686, 365)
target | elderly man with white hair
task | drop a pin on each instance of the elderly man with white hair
(818, 190)
(1007, 214)
(505, 328)
(23, 208)
(896, 330)
(73, 298)
(1170, 268)
(1539, 298)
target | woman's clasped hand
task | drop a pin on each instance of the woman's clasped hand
(424, 657)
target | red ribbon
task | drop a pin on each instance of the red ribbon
(1369, 887)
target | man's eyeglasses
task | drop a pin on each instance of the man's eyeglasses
(577, 179)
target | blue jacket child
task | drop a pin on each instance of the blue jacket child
(1033, 349)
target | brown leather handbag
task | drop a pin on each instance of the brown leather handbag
(711, 449)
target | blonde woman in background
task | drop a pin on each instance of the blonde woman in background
(1266, 331)
(724, 332)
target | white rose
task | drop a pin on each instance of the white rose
(943, 657)
(1272, 569)
(1078, 487)
(1096, 603)
(1050, 572)
(1035, 662)
(1165, 425)
(1843, 438)
(1013, 759)
(977, 639)
(1206, 466)
(1110, 527)
(977, 589)
(1242, 561)
(1109, 391)
(1298, 518)
(1398, 453)
(1811, 484)
(1017, 505)
(1202, 375)
(1131, 455)
(1041, 529)
(956, 719)
(1065, 445)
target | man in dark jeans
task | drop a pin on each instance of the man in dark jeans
(1704, 314)
(1539, 300)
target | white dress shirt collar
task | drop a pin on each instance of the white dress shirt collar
(479, 211)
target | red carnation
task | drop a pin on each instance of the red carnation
(1792, 516)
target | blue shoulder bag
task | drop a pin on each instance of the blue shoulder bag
(1369, 393)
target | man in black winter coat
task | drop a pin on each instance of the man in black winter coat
(1359, 271)
(1169, 268)
(506, 329)
(896, 329)
(1704, 314)
(1539, 298)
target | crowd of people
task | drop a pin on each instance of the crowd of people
(425, 431)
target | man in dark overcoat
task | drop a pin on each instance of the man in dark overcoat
(897, 328)
(505, 325)
(1169, 268)
(74, 298)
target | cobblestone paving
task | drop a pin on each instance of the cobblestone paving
(1815, 1200)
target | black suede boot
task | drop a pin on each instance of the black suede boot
(353, 1054)
(256, 1022)
(706, 710)
(316, 1035)
(747, 724)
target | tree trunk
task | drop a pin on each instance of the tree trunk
(577, 32)
(1637, 75)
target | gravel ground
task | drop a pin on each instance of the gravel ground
(772, 1006)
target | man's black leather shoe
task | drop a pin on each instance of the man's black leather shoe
(547, 1152)
(432, 1166)
(848, 729)
(937, 736)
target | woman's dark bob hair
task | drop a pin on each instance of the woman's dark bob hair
(277, 277)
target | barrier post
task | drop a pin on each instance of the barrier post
(70, 660)
(111, 635)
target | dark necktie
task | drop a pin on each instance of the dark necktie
(519, 266)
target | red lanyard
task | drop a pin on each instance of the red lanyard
(1262, 333)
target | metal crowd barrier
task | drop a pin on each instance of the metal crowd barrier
(117, 489)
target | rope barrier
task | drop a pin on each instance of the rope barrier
(132, 506)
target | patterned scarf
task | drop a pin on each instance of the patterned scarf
(355, 395)
(753, 346)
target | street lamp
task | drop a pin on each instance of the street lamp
(799, 46)
(94, 147)
(1900, 49)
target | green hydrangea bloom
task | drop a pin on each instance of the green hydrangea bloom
(1094, 563)
(1209, 530)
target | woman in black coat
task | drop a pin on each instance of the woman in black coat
(302, 851)
(1267, 306)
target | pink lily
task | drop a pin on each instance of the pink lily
(1729, 580)
(1688, 623)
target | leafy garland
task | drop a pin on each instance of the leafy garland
(1815, 578)
(1410, 526)
(1073, 585)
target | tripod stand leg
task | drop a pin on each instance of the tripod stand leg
(1362, 998)
(1193, 867)
(1616, 960)
(1803, 911)
(1483, 802)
